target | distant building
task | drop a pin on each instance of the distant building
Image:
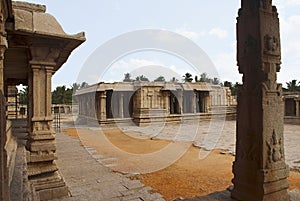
(145, 102)
(292, 107)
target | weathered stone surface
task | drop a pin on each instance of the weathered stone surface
(259, 169)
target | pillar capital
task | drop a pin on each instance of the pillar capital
(43, 55)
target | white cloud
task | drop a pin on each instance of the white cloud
(218, 32)
(150, 69)
(290, 36)
(227, 68)
(282, 4)
(189, 34)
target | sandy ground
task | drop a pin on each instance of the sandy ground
(189, 176)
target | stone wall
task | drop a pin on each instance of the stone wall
(145, 102)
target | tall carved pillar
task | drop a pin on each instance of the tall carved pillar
(194, 106)
(42, 170)
(121, 105)
(297, 108)
(207, 103)
(4, 189)
(166, 95)
(103, 106)
(260, 172)
(180, 101)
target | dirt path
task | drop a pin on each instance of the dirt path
(187, 177)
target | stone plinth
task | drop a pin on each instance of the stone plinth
(145, 116)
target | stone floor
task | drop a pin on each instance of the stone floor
(90, 180)
(216, 134)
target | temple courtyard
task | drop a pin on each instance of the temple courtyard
(157, 162)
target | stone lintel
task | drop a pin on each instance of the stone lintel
(38, 64)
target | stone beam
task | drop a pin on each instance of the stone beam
(260, 172)
(42, 170)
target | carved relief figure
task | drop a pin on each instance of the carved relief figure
(271, 44)
(275, 150)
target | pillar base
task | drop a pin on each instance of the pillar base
(262, 185)
(50, 187)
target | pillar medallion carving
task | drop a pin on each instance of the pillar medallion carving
(260, 172)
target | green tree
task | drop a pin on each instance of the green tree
(235, 88)
(174, 79)
(59, 95)
(23, 96)
(216, 81)
(160, 79)
(127, 78)
(187, 77)
(84, 85)
(75, 87)
(293, 85)
(227, 84)
(204, 77)
(142, 78)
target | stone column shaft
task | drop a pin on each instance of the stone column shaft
(259, 169)
(167, 102)
(121, 105)
(4, 188)
(42, 170)
(103, 106)
(194, 102)
(297, 108)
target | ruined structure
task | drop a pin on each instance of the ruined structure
(33, 47)
(146, 102)
(291, 107)
(259, 169)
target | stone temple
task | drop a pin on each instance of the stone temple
(33, 46)
(145, 102)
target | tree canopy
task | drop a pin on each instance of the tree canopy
(293, 85)
(160, 79)
(142, 78)
(187, 77)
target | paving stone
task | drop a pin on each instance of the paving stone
(87, 179)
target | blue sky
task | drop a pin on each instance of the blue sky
(210, 24)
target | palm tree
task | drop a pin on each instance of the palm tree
(173, 79)
(127, 77)
(293, 85)
(187, 77)
(23, 96)
(142, 78)
(160, 79)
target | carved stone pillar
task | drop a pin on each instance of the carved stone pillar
(166, 95)
(4, 188)
(180, 101)
(121, 105)
(103, 106)
(259, 169)
(207, 103)
(194, 102)
(42, 170)
(297, 108)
